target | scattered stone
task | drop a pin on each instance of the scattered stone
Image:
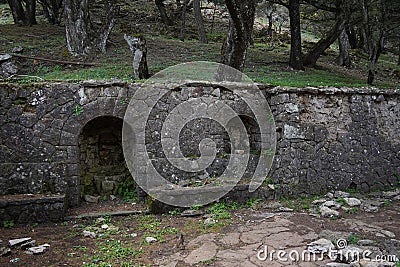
(285, 209)
(391, 246)
(150, 239)
(320, 246)
(369, 263)
(376, 203)
(349, 254)
(134, 235)
(17, 50)
(28, 244)
(391, 194)
(15, 260)
(337, 264)
(365, 242)
(380, 235)
(210, 221)
(273, 205)
(89, 234)
(352, 202)
(331, 204)
(370, 208)
(192, 213)
(112, 197)
(38, 250)
(341, 194)
(8, 69)
(327, 212)
(91, 199)
(104, 226)
(4, 251)
(319, 201)
(397, 198)
(388, 233)
(271, 186)
(100, 220)
(329, 195)
(18, 241)
(5, 57)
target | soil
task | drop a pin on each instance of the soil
(68, 247)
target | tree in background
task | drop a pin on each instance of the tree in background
(52, 10)
(296, 56)
(242, 13)
(23, 12)
(201, 32)
(82, 34)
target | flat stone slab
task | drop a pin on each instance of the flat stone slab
(204, 253)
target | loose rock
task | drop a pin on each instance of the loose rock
(352, 202)
(349, 254)
(18, 241)
(89, 234)
(210, 221)
(327, 212)
(320, 246)
(38, 250)
(150, 239)
(91, 199)
(192, 213)
(4, 251)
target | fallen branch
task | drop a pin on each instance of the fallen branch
(55, 60)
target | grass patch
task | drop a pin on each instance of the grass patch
(310, 77)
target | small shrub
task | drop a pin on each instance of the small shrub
(8, 224)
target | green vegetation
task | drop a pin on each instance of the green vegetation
(353, 239)
(341, 201)
(113, 251)
(252, 203)
(8, 224)
(220, 211)
(78, 110)
(127, 190)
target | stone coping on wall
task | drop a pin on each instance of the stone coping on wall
(268, 88)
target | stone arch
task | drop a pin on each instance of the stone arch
(101, 160)
(92, 108)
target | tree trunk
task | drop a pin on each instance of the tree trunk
(138, 48)
(199, 21)
(398, 59)
(52, 10)
(77, 26)
(111, 10)
(242, 14)
(352, 35)
(312, 56)
(163, 12)
(344, 57)
(296, 58)
(23, 17)
(183, 21)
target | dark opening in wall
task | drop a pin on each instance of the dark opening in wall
(102, 165)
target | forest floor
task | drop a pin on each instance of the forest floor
(222, 234)
(266, 62)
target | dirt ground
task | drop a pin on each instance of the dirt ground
(123, 244)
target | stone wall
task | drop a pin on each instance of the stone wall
(327, 138)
